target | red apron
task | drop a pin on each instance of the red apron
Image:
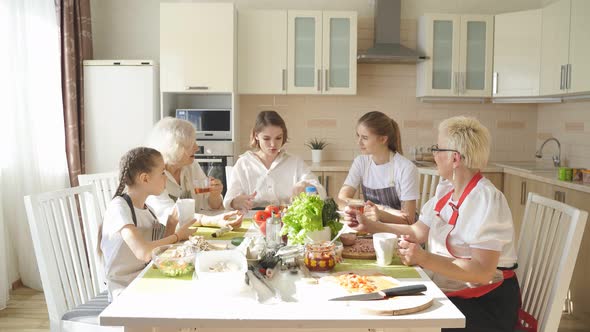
(466, 293)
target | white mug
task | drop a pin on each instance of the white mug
(385, 245)
(186, 210)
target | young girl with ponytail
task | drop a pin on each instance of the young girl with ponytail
(385, 176)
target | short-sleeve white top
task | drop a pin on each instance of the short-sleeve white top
(121, 265)
(398, 172)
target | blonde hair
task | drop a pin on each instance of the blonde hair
(173, 138)
(470, 138)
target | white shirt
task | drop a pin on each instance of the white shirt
(164, 203)
(398, 172)
(121, 265)
(274, 185)
(484, 222)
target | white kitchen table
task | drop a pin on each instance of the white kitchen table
(167, 304)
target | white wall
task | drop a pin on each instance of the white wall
(129, 29)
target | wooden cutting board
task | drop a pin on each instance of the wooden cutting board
(354, 252)
(395, 306)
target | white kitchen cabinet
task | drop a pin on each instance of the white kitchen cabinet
(579, 55)
(460, 48)
(262, 52)
(517, 54)
(197, 47)
(297, 52)
(565, 48)
(322, 49)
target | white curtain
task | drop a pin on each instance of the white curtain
(32, 139)
(3, 251)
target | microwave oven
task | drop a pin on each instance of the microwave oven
(210, 124)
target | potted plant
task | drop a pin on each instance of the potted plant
(316, 145)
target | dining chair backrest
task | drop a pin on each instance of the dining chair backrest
(429, 179)
(547, 250)
(228, 170)
(106, 185)
(64, 240)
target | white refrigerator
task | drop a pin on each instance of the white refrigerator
(121, 99)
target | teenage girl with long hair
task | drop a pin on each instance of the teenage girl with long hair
(389, 182)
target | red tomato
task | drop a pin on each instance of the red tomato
(274, 209)
(263, 228)
(261, 216)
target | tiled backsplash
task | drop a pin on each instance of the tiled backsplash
(570, 124)
(389, 88)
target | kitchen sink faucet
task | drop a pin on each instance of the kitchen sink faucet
(556, 158)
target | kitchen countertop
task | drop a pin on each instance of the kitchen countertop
(546, 176)
(344, 166)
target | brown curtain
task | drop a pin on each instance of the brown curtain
(76, 46)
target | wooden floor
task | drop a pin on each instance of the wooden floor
(27, 312)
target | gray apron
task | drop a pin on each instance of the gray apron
(384, 196)
(156, 232)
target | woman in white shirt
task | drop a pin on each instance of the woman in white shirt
(268, 174)
(176, 141)
(468, 226)
(385, 176)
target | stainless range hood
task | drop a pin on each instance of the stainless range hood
(387, 47)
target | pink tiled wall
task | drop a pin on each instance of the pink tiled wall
(390, 88)
(570, 124)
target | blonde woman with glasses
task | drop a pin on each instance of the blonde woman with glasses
(468, 225)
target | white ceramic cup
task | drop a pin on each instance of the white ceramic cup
(385, 245)
(186, 210)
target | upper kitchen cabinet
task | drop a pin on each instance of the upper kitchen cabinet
(262, 52)
(297, 52)
(565, 47)
(517, 54)
(197, 47)
(460, 48)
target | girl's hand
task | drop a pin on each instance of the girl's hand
(184, 232)
(233, 219)
(410, 252)
(243, 202)
(371, 211)
(356, 220)
(215, 185)
(173, 218)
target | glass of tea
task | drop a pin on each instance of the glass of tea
(358, 205)
(202, 186)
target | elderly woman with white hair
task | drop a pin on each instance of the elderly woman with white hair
(176, 141)
(469, 229)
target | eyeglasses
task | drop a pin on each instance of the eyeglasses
(435, 148)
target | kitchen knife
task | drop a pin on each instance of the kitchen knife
(384, 293)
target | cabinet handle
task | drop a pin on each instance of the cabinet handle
(326, 80)
(495, 83)
(562, 78)
(523, 193)
(321, 180)
(327, 181)
(463, 84)
(319, 80)
(193, 87)
(455, 89)
(559, 196)
(284, 72)
(568, 75)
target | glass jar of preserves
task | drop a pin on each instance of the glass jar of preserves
(319, 256)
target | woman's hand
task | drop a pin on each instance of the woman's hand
(233, 219)
(243, 202)
(184, 232)
(357, 221)
(371, 211)
(215, 185)
(299, 188)
(410, 252)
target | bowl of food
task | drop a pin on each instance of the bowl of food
(348, 239)
(174, 259)
(224, 269)
(320, 257)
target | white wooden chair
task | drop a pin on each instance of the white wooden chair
(429, 179)
(547, 250)
(65, 241)
(106, 185)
